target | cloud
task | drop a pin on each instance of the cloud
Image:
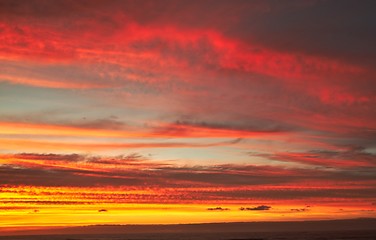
(276, 24)
(50, 157)
(257, 126)
(258, 208)
(16, 208)
(286, 81)
(127, 170)
(281, 30)
(218, 209)
(229, 129)
(118, 129)
(299, 209)
(220, 71)
(31, 145)
(102, 210)
(348, 158)
(142, 180)
(105, 123)
(157, 48)
(132, 169)
(42, 202)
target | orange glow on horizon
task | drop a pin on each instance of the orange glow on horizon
(61, 206)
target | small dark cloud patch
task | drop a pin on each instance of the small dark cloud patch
(235, 141)
(218, 209)
(258, 208)
(367, 210)
(299, 209)
(102, 210)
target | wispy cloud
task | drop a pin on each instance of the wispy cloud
(348, 158)
(181, 183)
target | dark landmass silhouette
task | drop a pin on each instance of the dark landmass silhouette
(291, 226)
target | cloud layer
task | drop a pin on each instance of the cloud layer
(262, 105)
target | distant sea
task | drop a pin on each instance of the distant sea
(335, 235)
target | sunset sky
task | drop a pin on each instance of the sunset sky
(131, 112)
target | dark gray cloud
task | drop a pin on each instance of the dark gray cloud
(152, 174)
(218, 209)
(15, 175)
(299, 209)
(339, 29)
(258, 208)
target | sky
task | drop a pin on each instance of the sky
(139, 112)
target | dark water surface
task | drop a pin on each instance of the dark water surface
(338, 235)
